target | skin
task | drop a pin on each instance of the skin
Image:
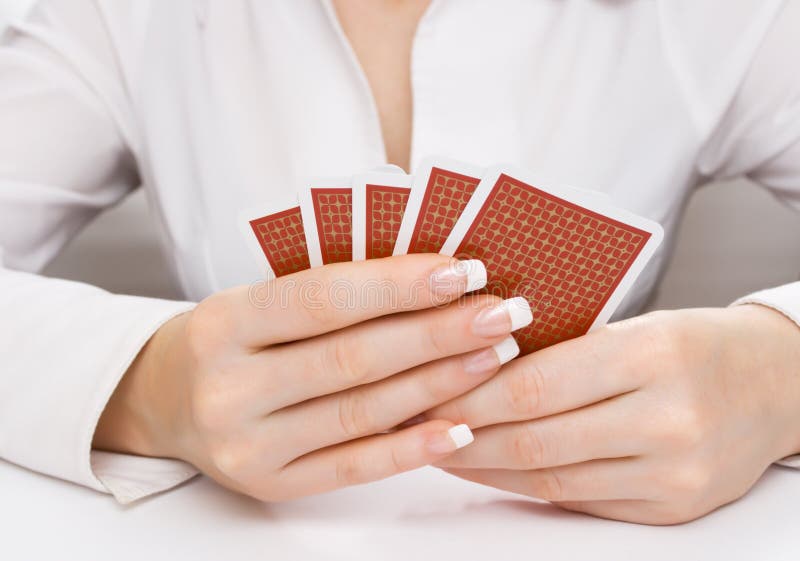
(289, 399)
(381, 34)
(658, 419)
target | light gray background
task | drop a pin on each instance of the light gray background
(735, 239)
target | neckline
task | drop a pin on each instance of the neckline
(376, 127)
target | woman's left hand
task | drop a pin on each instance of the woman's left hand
(658, 419)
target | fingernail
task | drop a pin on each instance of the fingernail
(506, 317)
(481, 363)
(486, 361)
(458, 277)
(476, 273)
(450, 441)
(507, 349)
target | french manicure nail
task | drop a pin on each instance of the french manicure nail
(506, 317)
(458, 277)
(476, 273)
(481, 363)
(507, 349)
(520, 312)
(450, 441)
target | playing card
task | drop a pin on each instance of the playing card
(278, 235)
(442, 187)
(569, 252)
(379, 201)
(326, 205)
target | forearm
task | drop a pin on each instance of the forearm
(59, 369)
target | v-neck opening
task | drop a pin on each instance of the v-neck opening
(366, 87)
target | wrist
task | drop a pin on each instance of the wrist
(141, 416)
(774, 347)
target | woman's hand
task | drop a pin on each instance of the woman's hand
(659, 419)
(284, 399)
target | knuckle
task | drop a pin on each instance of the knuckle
(356, 414)
(319, 313)
(527, 447)
(460, 413)
(347, 360)
(437, 384)
(351, 470)
(523, 390)
(547, 484)
(454, 411)
(210, 409)
(660, 335)
(229, 458)
(320, 298)
(689, 481)
(438, 334)
(396, 463)
(208, 326)
(684, 428)
(692, 428)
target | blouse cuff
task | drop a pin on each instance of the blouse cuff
(130, 478)
(784, 299)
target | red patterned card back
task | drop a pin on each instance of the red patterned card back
(564, 259)
(283, 241)
(333, 209)
(385, 208)
(446, 195)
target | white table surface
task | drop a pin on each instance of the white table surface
(424, 515)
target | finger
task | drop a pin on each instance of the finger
(589, 481)
(604, 430)
(379, 348)
(328, 298)
(372, 458)
(382, 405)
(566, 376)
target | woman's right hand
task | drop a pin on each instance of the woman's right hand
(288, 389)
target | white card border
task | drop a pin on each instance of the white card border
(243, 218)
(585, 198)
(421, 177)
(360, 181)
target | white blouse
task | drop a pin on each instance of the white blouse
(213, 106)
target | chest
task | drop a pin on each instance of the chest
(381, 34)
(264, 94)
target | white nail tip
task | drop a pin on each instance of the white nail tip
(520, 312)
(461, 435)
(476, 273)
(506, 350)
